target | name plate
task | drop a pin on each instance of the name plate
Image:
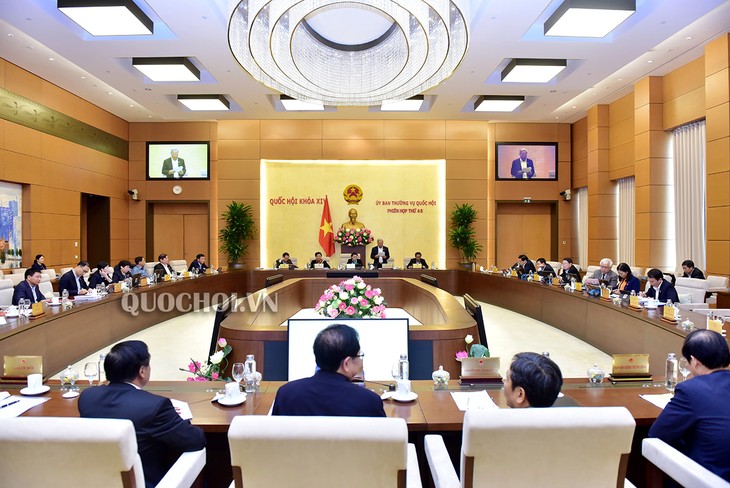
(578, 286)
(513, 273)
(117, 287)
(714, 325)
(605, 293)
(166, 278)
(38, 308)
(143, 282)
(556, 281)
(671, 313)
(186, 274)
(630, 364)
(536, 277)
(417, 266)
(283, 266)
(351, 266)
(22, 366)
(634, 301)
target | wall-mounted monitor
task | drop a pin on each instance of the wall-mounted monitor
(178, 160)
(527, 161)
(381, 340)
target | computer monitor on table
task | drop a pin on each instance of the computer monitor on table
(475, 310)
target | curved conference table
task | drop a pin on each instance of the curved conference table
(64, 337)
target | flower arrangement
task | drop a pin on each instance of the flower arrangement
(354, 237)
(213, 368)
(472, 350)
(352, 299)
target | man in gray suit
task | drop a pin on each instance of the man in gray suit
(605, 274)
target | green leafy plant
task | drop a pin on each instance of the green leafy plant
(462, 235)
(239, 228)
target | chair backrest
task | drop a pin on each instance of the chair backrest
(6, 283)
(179, 265)
(107, 449)
(590, 270)
(65, 270)
(19, 271)
(46, 288)
(6, 296)
(15, 278)
(637, 271)
(555, 265)
(586, 442)
(50, 272)
(679, 467)
(717, 283)
(366, 452)
(696, 288)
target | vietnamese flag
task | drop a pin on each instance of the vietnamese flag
(326, 236)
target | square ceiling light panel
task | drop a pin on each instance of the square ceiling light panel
(498, 103)
(532, 70)
(205, 103)
(588, 18)
(167, 69)
(108, 17)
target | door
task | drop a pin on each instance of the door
(523, 229)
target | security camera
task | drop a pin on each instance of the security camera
(527, 199)
(133, 193)
(566, 194)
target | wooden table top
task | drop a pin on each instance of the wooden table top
(433, 410)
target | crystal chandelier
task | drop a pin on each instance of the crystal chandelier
(274, 42)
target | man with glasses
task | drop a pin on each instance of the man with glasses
(330, 391)
(73, 281)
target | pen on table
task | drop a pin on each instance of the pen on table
(10, 403)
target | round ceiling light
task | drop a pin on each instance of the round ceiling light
(294, 47)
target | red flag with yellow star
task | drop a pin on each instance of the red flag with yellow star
(326, 235)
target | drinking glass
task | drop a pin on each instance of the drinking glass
(237, 373)
(90, 371)
(395, 371)
(22, 304)
(684, 368)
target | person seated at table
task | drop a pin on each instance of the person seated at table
(122, 271)
(330, 391)
(28, 288)
(543, 266)
(318, 259)
(198, 264)
(102, 276)
(139, 267)
(628, 282)
(38, 262)
(524, 263)
(567, 269)
(73, 281)
(532, 380)
(355, 259)
(161, 434)
(285, 261)
(417, 260)
(659, 288)
(163, 268)
(604, 274)
(688, 266)
(696, 420)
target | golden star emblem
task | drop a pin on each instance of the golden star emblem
(326, 228)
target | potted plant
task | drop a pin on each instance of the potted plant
(462, 235)
(239, 228)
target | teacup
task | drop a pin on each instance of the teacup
(403, 388)
(12, 310)
(232, 391)
(55, 300)
(35, 381)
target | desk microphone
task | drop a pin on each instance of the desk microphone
(390, 386)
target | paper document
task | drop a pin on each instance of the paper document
(183, 409)
(18, 405)
(473, 400)
(660, 400)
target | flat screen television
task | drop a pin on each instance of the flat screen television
(381, 340)
(539, 162)
(178, 161)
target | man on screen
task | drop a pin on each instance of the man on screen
(173, 167)
(522, 167)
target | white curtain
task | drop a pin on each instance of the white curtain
(580, 216)
(626, 221)
(689, 193)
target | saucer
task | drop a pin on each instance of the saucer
(231, 403)
(12, 315)
(27, 391)
(70, 394)
(408, 397)
(51, 304)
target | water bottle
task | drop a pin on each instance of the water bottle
(403, 367)
(671, 381)
(249, 374)
(64, 297)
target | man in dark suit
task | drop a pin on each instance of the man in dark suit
(173, 167)
(524, 262)
(73, 281)
(122, 271)
(417, 260)
(532, 380)
(318, 259)
(660, 289)
(696, 420)
(160, 430)
(523, 168)
(163, 267)
(28, 288)
(198, 264)
(688, 267)
(379, 254)
(330, 391)
(355, 259)
(543, 266)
